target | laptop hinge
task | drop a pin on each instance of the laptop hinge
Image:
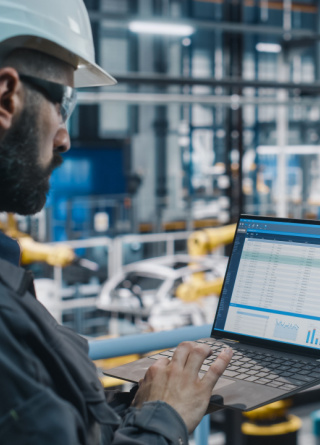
(230, 340)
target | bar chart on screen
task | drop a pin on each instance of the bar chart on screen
(313, 337)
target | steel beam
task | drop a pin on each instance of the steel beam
(87, 98)
(231, 82)
(116, 21)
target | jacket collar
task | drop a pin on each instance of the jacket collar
(16, 278)
(9, 249)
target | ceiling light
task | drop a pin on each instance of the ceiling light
(161, 28)
(186, 41)
(268, 47)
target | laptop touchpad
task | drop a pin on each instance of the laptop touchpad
(221, 383)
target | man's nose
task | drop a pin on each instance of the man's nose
(62, 140)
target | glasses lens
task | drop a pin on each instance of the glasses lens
(68, 103)
(57, 93)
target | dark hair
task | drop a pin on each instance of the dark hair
(32, 62)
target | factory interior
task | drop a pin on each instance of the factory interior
(216, 113)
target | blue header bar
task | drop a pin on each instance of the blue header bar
(285, 233)
(279, 228)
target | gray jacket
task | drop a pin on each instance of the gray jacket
(50, 393)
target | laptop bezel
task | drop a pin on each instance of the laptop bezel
(269, 344)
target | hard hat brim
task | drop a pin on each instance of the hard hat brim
(91, 75)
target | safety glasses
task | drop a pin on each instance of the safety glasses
(56, 93)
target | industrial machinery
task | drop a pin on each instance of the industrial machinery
(202, 243)
(271, 423)
(31, 251)
(146, 290)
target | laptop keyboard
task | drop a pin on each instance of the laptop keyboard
(260, 367)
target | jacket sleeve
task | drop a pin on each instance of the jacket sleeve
(42, 419)
(156, 423)
(50, 392)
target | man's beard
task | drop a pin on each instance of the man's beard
(24, 184)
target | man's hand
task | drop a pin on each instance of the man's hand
(177, 382)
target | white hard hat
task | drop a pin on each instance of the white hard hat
(60, 28)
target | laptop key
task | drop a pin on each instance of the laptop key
(273, 376)
(296, 381)
(230, 373)
(306, 378)
(246, 365)
(309, 367)
(282, 380)
(157, 356)
(242, 376)
(252, 372)
(274, 384)
(204, 368)
(299, 365)
(262, 374)
(263, 381)
(288, 387)
(294, 370)
(167, 353)
(265, 369)
(272, 365)
(232, 368)
(236, 363)
(283, 368)
(252, 378)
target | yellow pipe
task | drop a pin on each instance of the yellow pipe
(201, 243)
(205, 241)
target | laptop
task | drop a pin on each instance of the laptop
(268, 312)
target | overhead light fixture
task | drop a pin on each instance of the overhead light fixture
(161, 28)
(268, 47)
(186, 41)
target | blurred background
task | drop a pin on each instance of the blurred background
(216, 113)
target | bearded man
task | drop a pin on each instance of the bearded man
(50, 393)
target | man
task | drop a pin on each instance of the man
(50, 393)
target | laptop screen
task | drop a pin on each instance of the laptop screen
(272, 286)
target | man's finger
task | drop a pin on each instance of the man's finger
(158, 366)
(196, 357)
(218, 367)
(181, 354)
(161, 362)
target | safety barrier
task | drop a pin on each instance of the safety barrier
(115, 247)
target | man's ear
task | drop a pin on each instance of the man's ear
(10, 97)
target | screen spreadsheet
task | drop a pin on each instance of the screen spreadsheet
(272, 286)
